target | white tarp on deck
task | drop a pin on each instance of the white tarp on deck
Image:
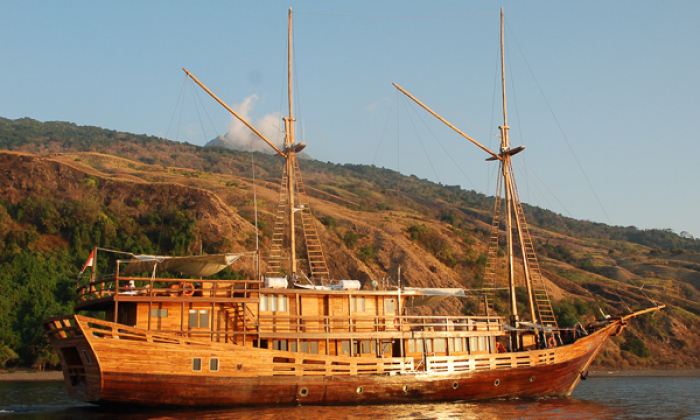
(195, 266)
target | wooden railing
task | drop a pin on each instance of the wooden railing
(62, 327)
(359, 324)
(488, 362)
(110, 286)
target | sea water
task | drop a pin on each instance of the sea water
(595, 398)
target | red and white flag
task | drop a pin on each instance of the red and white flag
(90, 262)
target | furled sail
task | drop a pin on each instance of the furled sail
(196, 266)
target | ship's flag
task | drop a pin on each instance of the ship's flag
(90, 262)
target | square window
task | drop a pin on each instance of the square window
(193, 318)
(159, 313)
(389, 306)
(197, 364)
(204, 318)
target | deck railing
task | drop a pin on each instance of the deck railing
(368, 324)
(111, 286)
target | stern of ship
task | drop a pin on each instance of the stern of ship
(80, 365)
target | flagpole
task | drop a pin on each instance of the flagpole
(94, 265)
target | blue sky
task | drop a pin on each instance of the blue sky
(612, 86)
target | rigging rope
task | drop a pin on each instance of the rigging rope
(397, 16)
(441, 146)
(561, 129)
(421, 143)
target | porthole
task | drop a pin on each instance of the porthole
(455, 385)
(496, 382)
(532, 379)
(303, 392)
(359, 390)
(405, 388)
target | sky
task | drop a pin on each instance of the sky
(603, 94)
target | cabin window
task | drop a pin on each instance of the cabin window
(279, 345)
(458, 344)
(482, 344)
(292, 345)
(345, 347)
(304, 347)
(389, 307)
(87, 357)
(199, 318)
(386, 347)
(214, 364)
(357, 303)
(273, 303)
(313, 347)
(159, 313)
(428, 343)
(197, 364)
(411, 345)
(439, 345)
(473, 344)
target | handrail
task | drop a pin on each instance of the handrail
(276, 323)
(114, 285)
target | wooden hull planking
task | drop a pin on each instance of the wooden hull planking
(146, 368)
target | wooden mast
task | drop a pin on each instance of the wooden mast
(290, 186)
(511, 202)
(291, 154)
(513, 210)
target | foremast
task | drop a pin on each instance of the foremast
(293, 197)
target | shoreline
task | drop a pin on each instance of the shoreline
(644, 373)
(57, 375)
(30, 375)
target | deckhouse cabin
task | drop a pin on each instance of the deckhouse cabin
(339, 320)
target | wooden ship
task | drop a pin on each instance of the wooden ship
(201, 342)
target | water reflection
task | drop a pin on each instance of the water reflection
(492, 410)
(616, 398)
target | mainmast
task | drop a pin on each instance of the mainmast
(511, 202)
(291, 154)
(516, 227)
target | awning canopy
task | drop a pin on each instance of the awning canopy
(195, 266)
(431, 296)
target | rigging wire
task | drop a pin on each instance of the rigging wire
(179, 98)
(199, 116)
(386, 124)
(561, 129)
(201, 103)
(396, 16)
(421, 142)
(441, 146)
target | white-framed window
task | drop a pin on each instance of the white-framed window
(357, 303)
(199, 318)
(275, 303)
(214, 364)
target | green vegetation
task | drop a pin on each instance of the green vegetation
(45, 237)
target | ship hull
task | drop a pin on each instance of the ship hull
(140, 368)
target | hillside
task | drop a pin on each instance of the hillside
(64, 189)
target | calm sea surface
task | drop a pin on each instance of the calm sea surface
(596, 398)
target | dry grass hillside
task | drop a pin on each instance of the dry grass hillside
(370, 221)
